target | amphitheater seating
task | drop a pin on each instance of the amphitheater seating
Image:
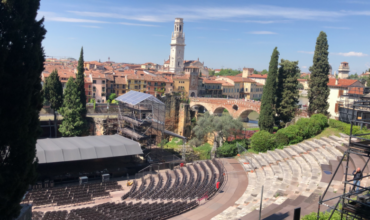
(190, 182)
(292, 177)
(61, 196)
(123, 211)
(170, 194)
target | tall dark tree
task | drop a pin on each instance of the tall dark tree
(318, 82)
(287, 93)
(53, 90)
(266, 120)
(73, 124)
(21, 64)
(81, 83)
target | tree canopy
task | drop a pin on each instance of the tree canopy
(318, 82)
(21, 64)
(287, 93)
(267, 120)
(80, 83)
(73, 124)
(220, 127)
(227, 72)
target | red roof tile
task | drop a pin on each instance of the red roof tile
(264, 76)
(341, 82)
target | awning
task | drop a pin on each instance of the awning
(85, 148)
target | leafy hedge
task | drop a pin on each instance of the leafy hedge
(346, 128)
(230, 149)
(304, 128)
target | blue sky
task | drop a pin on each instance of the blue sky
(228, 34)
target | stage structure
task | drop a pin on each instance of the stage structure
(348, 97)
(355, 202)
(141, 117)
(68, 158)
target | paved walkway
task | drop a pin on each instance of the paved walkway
(233, 190)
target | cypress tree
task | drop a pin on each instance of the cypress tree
(21, 64)
(81, 83)
(318, 82)
(287, 91)
(266, 119)
(54, 94)
(72, 124)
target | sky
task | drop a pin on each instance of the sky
(222, 34)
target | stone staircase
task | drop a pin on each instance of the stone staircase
(292, 177)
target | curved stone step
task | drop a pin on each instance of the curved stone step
(260, 160)
(268, 158)
(328, 156)
(320, 142)
(290, 152)
(345, 136)
(282, 154)
(246, 165)
(319, 158)
(312, 144)
(305, 147)
(297, 149)
(296, 178)
(275, 155)
(315, 170)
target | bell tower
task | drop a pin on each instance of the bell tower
(177, 47)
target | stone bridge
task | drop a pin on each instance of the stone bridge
(236, 107)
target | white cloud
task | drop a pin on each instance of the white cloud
(262, 32)
(263, 22)
(135, 24)
(90, 26)
(306, 52)
(270, 13)
(351, 54)
(51, 16)
(341, 28)
(304, 67)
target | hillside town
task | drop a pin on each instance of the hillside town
(135, 138)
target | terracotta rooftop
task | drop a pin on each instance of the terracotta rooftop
(181, 77)
(210, 81)
(258, 76)
(341, 82)
(240, 79)
(120, 80)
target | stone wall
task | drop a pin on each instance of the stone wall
(99, 109)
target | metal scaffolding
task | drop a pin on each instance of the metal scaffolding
(355, 204)
(141, 117)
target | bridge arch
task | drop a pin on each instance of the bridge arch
(200, 108)
(244, 114)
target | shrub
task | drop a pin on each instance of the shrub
(293, 133)
(262, 141)
(346, 128)
(281, 140)
(321, 119)
(204, 151)
(229, 149)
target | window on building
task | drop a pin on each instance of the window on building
(103, 89)
(178, 63)
(129, 81)
(89, 93)
(237, 90)
(224, 90)
(123, 91)
(117, 86)
(123, 86)
(94, 81)
(149, 83)
(103, 82)
(246, 89)
(155, 84)
(94, 88)
(93, 95)
(148, 88)
(89, 86)
(251, 89)
(103, 94)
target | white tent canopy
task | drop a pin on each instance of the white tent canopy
(85, 148)
(134, 98)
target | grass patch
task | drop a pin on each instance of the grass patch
(327, 132)
(204, 151)
(175, 143)
(252, 129)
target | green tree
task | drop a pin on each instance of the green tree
(287, 93)
(21, 64)
(73, 124)
(80, 83)
(53, 91)
(211, 73)
(300, 86)
(227, 72)
(264, 72)
(255, 72)
(318, 82)
(112, 97)
(266, 119)
(220, 127)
